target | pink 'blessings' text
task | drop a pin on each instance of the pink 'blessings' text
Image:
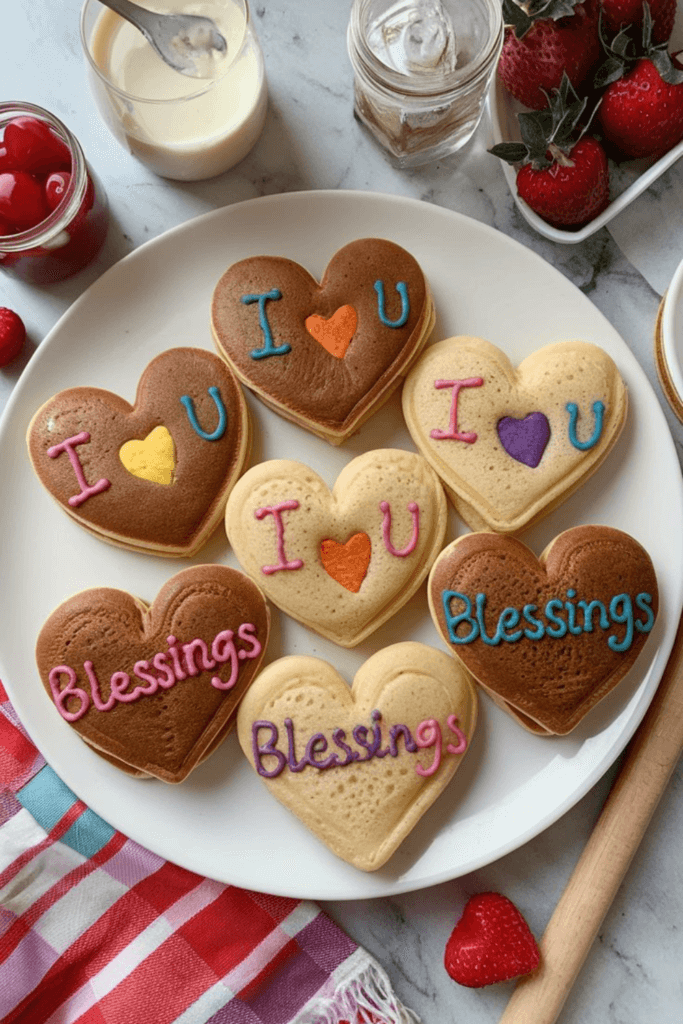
(172, 666)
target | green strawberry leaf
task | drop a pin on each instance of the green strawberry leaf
(611, 71)
(516, 18)
(511, 152)
(666, 68)
(535, 128)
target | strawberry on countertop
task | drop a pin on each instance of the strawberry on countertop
(564, 175)
(12, 335)
(641, 113)
(490, 943)
(543, 40)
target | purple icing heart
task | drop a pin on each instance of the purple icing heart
(525, 440)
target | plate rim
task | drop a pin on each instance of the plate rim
(396, 886)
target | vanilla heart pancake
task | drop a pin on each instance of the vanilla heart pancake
(324, 355)
(510, 445)
(155, 688)
(341, 561)
(153, 476)
(548, 637)
(359, 766)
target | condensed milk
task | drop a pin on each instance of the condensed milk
(185, 128)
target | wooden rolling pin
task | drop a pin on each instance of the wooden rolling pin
(650, 760)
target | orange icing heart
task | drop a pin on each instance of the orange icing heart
(347, 563)
(336, 333)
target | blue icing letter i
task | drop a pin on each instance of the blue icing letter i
(269, 346)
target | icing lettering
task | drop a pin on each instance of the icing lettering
(461, 746)
(402, 290)
(276, 512)
(269, 346)
(60, 694)
(216, 434)
(175, 665)
(598, 413)
(453, 434)
(269, 748)
(427, 734)
(87, 490)
(414, 510)
(558, 619)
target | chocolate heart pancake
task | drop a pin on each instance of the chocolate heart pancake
(154, 476)
(155, 688)
(547, 638)
(324, 355)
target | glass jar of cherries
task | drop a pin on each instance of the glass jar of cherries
(53, 210)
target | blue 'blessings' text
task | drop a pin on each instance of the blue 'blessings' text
(557, 619)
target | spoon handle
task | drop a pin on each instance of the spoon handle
(133, 13)
(650, 760)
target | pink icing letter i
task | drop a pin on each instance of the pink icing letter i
(276, 512)
(453, 434)
(87, 490)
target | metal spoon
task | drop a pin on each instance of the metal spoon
(179, 39)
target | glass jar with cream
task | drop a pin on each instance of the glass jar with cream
(182, 127)
(422, 71)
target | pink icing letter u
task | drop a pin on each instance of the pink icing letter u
(414, 510)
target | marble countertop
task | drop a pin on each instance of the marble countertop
(311, 141)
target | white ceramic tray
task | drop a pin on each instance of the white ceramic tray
(627, 180)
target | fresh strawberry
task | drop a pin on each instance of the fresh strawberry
(564, 175)
(543, 40)
(641, 112)
(571, 192)
(12, 335)
(491, 942)
(618, 13)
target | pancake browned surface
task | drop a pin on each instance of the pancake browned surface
(510, 444)
(155, 688)
(548, 637)
(331, 382)
(360, 766)
(341, 561)
(173, 517)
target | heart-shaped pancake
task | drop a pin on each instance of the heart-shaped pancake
(359, 766)
(547, 637)
(290, 533)
(153, 476)
(324, 355)
(510, 445)
(155, 688)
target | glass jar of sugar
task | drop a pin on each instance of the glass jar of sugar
(184, 128)
(422, 71)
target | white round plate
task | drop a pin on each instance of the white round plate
(222, 822)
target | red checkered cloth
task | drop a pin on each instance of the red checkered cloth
(94, 929)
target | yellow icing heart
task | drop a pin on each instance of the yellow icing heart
(152, 459)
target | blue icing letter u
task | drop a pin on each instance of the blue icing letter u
(402, 289)
(216, 434)
(598, 412)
